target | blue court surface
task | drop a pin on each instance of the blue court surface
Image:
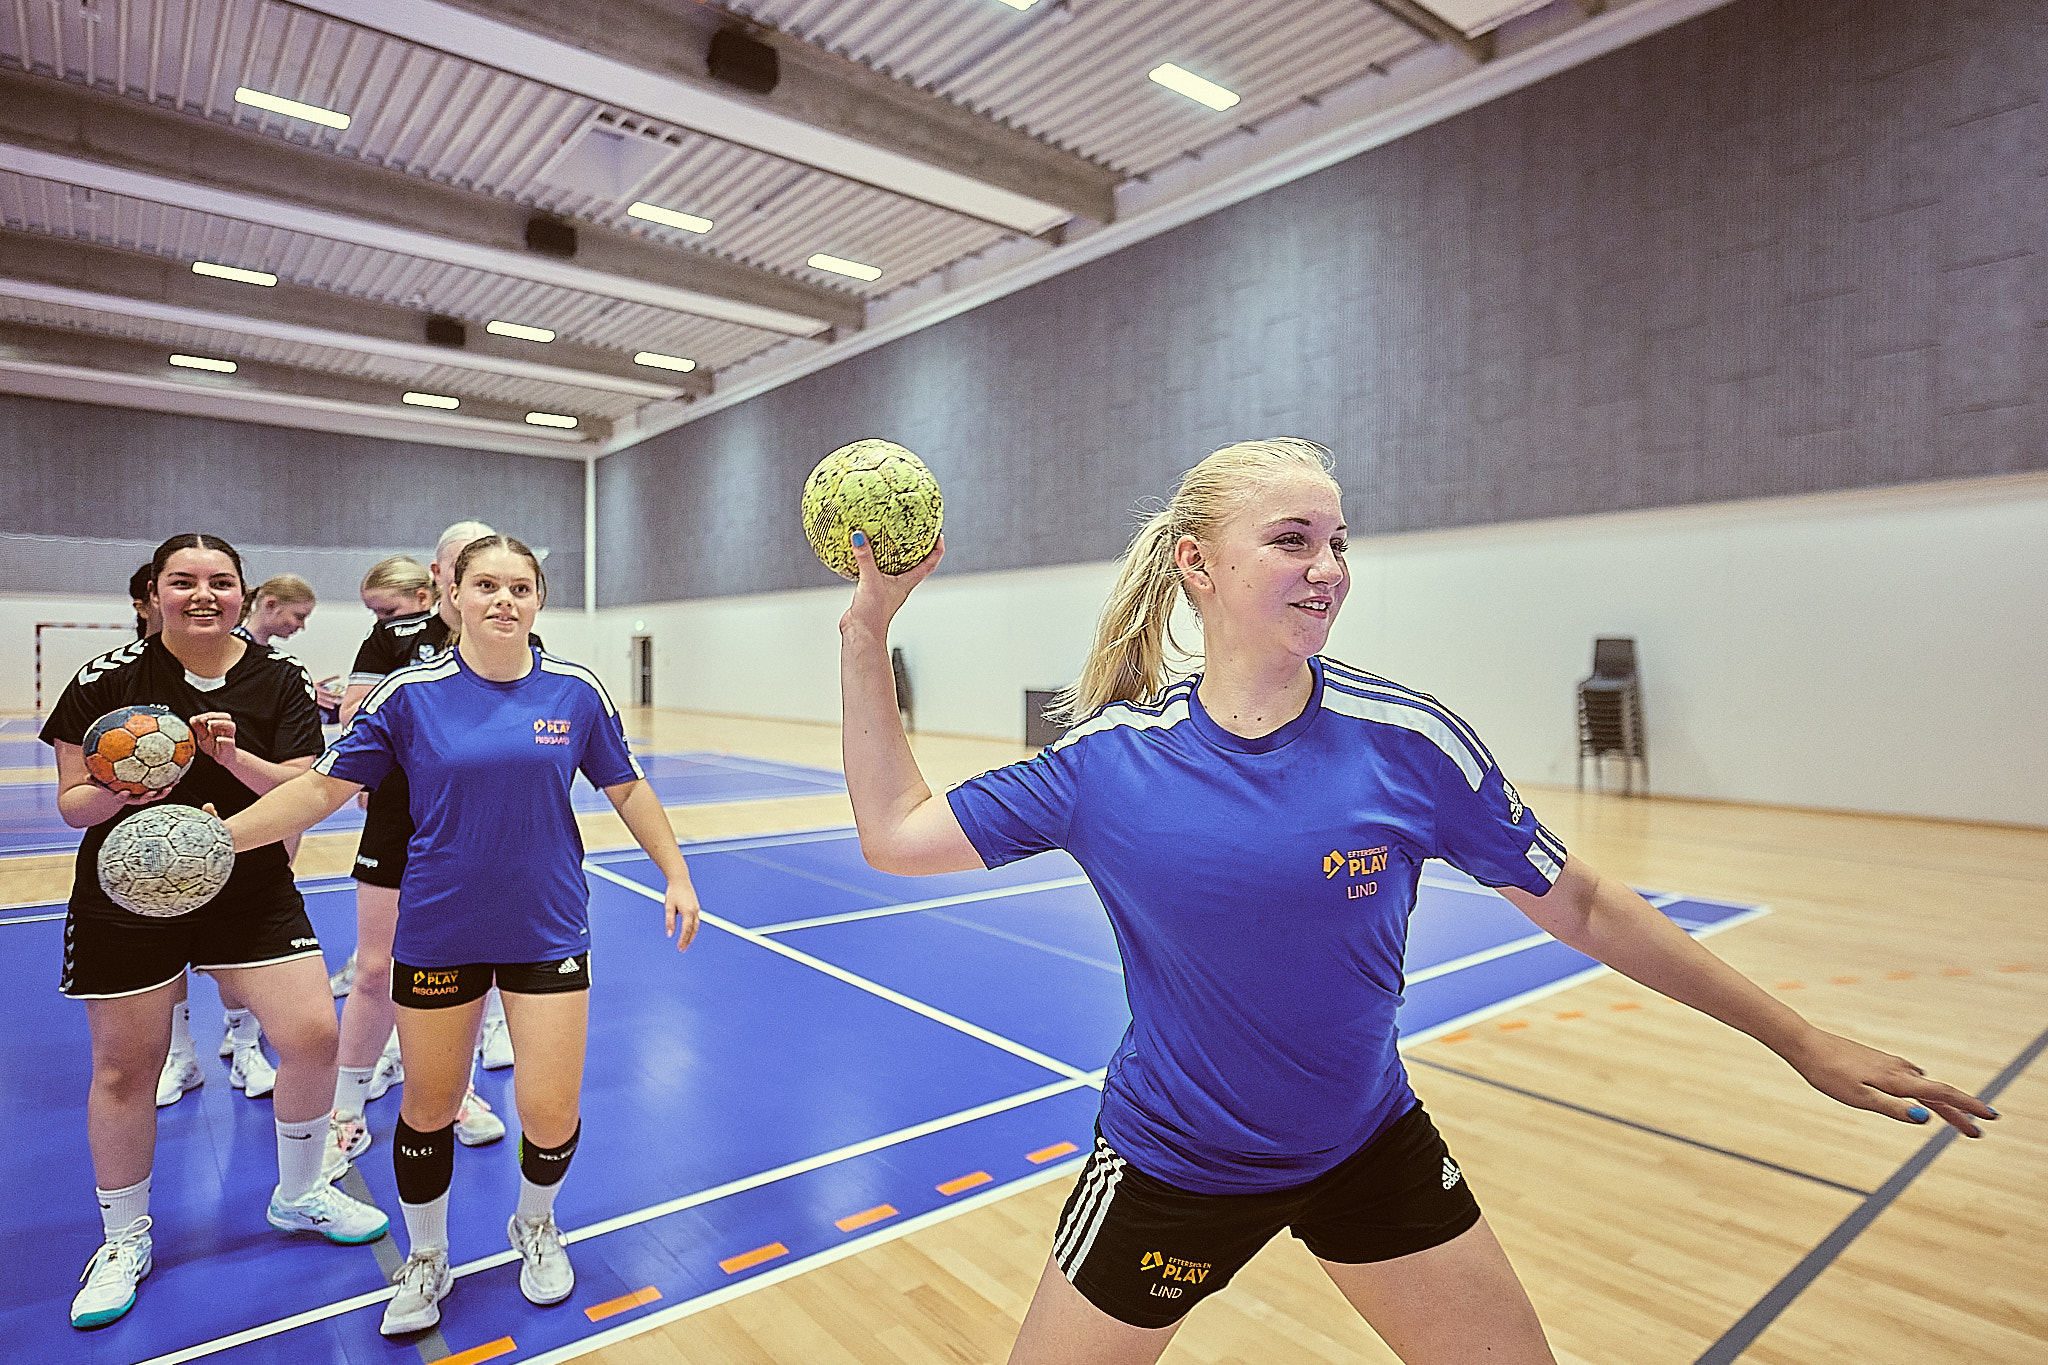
(843, 1055)
(29, 822)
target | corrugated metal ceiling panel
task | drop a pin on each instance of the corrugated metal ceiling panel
(449, 379)
(1079, 81)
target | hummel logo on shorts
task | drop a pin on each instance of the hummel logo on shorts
(568, 966)
(305, 943)
(1451, 1173)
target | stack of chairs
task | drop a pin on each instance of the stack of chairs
(1611, 716)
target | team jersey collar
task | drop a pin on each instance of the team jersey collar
(482, 681)
(1264, 744)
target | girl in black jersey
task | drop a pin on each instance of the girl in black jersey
(252, 714)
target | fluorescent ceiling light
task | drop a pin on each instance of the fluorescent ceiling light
(839, 265)
(200, 362)
(277, 104)
(655, 213)
(656, 360)
(520, 330)
(235, 273)
(550, 419)
(1193, 86)
(430, 400)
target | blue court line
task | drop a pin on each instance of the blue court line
(1602, 1114)
(1766, 1311)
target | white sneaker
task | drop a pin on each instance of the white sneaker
(181, 1073)
(547, 1276)
(227, 1041)
(495, 1048)
(344, 980)
(110, 1277)
(475, 1124)
(423, 1281)
(390, 1071)
(330, 1213)
(347, 1139)
(252, 1072)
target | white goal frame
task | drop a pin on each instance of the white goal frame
(42, 626)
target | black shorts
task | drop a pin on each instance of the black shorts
(1145, 1252)
(440, 988)
(387, 829)
(109, 952)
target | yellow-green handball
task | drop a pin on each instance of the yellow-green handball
(877, 487)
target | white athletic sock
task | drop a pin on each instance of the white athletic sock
(299, 1149)
(351, 1090)
(243, 1026)
(119, 1208)
(494, 1007)
(536, 1201)
(426, 1225)
(181, 1029)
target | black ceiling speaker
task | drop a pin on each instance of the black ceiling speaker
(446, 331)
(550, 236)
(741, 61)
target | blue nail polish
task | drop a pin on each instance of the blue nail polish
(860, 538)
(1918, 1115)
(1994, 1112)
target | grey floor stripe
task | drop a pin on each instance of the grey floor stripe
(1606, 1117)
(1752, 1324)
(433, 1346)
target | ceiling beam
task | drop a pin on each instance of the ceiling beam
(67, 348)
(825, 111)
(88, 275)
(62, 131)
(1436, 28)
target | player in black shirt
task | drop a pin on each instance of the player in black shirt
(252, 714)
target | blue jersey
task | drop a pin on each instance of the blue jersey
(1259, 890)
(494, 871)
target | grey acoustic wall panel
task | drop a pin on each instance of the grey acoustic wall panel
(79, 471)
(1787, 247)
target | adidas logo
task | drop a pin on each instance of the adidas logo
(568, 966)
(1452, 1175)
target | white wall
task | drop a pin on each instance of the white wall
(1882, 651)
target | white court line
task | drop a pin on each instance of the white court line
(875, 988)
(821, 834)
(1515, 1002)
(706, 1196)
(762, 768)
(910, 907)
(1458, 964)
(770, 1278)
(1115, 968)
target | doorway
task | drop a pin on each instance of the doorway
(643, 670)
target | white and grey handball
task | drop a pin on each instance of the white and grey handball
(165, 861)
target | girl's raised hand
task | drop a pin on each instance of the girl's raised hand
(879, 596)
(214, 732)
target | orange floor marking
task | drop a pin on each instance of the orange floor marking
(624, 1303)
(1791, 985)
(1627, 1005)
(2015, 967)
(1572, 1014)
(1045, 1154)
(853, 1222)
(1512, 1025)
(1454, 1038)
(1845, 980)
(1955, 971)
(965, 1182)
(1900, 976)
(733, 1265)
(490, 1350)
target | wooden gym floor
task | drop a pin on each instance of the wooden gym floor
(1668, 1190)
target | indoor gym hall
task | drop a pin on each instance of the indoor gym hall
(1712, 325)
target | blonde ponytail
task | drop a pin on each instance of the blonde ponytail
(1134, 635)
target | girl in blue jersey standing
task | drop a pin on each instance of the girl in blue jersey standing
(490, 734)
(1259, 1086)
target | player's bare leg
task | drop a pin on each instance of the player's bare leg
(1449, 1305)
(1062, 1328)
